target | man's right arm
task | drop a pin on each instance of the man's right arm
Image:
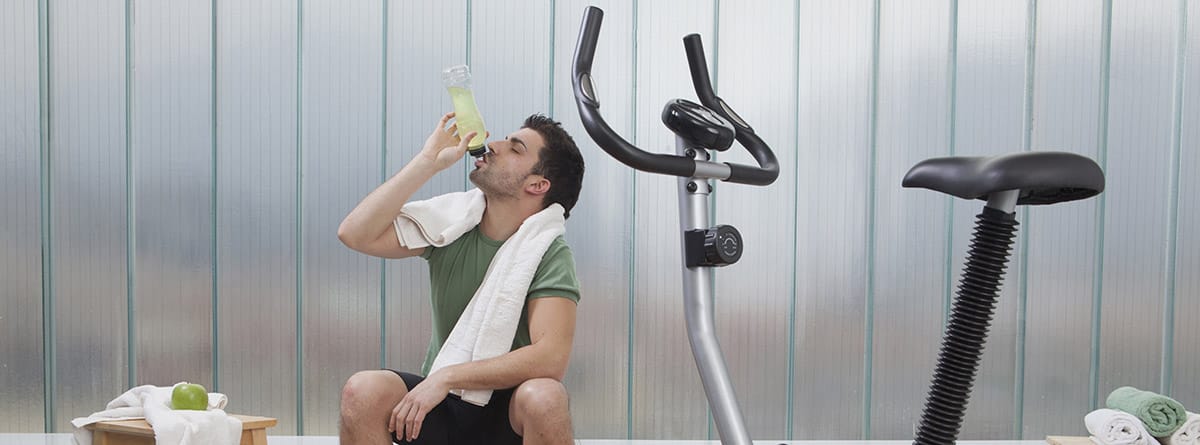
(368, 228)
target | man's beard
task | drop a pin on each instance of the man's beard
(494, 186)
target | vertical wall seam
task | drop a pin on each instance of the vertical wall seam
(553, 35)
(383, 176)
(299, 217)
(1102, 154)
(712, 196)
(951, 143)
(1168, 344)
(789, 422)
(48, 328)
(715, 185)
(1023, 259)
(466, 170)
(872, 167)
(130, 207)
(216, 337)
(632, 254)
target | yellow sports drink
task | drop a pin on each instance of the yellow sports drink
(458, 81)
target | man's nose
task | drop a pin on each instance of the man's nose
(496, 146)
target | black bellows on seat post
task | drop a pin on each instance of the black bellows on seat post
(967, 328)
(1028, 178)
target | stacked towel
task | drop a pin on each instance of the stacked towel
(1162, 415)
(171, 427)
(1188, 434)
(1112, 427)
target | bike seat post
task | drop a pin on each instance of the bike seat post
(1004, 182)
(1005, 201)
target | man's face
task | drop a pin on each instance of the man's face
(504, 171)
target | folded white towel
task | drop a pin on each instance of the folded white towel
(1112, 427)
(171, 427)
(1188, 434)
(489, 323)
(440, 220)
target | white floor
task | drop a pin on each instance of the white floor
(65, 439)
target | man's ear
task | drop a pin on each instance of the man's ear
(537, 185)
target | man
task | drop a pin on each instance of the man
(533, 168)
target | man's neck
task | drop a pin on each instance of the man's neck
(502, 218)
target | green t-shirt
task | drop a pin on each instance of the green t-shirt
(457, 270)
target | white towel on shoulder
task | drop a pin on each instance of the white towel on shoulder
(489, 323)
(1112, 427)
(1188, 434)
(171, 427)
(440, 220)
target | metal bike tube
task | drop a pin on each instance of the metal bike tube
(1005, 201)
(698, 310)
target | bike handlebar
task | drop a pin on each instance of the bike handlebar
(616, 146)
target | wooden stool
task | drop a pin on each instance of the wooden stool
(138, 432)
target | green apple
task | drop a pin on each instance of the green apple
(189, 396)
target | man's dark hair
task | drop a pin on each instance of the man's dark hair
(559, 161)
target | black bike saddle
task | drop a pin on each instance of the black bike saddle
(1043, 177)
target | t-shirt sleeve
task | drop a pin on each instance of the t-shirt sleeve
(555, 276)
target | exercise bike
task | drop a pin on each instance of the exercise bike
(698, 129)
(1003, 181)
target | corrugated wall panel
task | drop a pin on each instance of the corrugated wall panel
(753, 297)
(599, 231)
(510, 57)
(1138, 159)
(88, 162)
(989, 120)
(831, 175)
(910, 279)
(256, 208)
(1061, 254)
(1186, 385)
(341, 130)
(423, 38)
(668, 399)
(633, 374)
(21, 366)
(172, 173)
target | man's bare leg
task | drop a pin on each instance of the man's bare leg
(367, 402)
(539, 412)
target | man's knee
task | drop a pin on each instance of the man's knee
(541, 397)
(371, 391)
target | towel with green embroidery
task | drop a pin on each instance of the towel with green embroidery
(1162, 415)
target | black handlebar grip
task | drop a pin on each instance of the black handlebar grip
(585, 49)
(768, 169)
(589, 109)
(699, 66)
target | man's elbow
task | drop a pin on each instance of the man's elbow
(348, 236)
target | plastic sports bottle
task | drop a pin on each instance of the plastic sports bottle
(458, 81)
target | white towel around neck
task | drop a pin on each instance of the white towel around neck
(488, 324)
(440, 220)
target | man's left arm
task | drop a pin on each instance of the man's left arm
(551, 334)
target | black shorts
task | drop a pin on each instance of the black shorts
(456, 422)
